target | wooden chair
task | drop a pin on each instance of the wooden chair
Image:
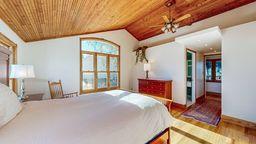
(56, 91)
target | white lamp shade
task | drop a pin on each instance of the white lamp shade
(147, 67)
(22, 71)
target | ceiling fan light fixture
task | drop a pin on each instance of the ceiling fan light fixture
(166, 30)
(163, 29)
(173, 29)
(169, 26)
(176, 25)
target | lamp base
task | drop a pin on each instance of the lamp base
(21, 99)
(146, 74)
(22, 90)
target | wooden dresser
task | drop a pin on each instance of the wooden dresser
(159, 88)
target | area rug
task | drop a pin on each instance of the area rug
(208, 112)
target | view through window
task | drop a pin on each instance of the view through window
(213, 70)
(100, 65)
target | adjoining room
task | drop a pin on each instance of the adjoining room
(204, 74)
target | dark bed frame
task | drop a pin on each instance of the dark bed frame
(166, 131)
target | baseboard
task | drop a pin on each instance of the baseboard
(214, 94)
(239, 122)
(177, 105)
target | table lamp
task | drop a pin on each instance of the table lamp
(147, 68)
(22, 72)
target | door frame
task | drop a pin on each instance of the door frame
(195, 52)
(205, 70)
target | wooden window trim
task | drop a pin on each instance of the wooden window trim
(95, 66)
(7, 42)
(213, 61)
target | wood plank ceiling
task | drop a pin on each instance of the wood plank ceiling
(36, 20)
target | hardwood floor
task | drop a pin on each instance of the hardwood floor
(189, 131)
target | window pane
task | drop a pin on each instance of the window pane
(87, 62)
(218, 70)
(102, 80)
(113, 79)
(88, 81)
(113, 63)
(101, 63)
(100, 47)
(208, 70)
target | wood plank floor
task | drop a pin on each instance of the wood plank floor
(190, 131)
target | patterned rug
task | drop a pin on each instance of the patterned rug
(208, 112)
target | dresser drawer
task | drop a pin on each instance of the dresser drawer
(156, 83)
(143, 90)
(156, 87)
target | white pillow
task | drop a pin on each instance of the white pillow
(9, 104)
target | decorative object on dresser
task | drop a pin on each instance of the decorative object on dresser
(157, 88)
(147, 68)
(56, 91)
(22, 72)
(141, 54)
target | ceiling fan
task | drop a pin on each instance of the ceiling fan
(171, 24)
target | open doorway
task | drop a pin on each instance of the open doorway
(213, 73)
(191, 77)
(204, 81)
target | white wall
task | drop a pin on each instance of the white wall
(167, 62)
(9, 33)
(239, 81)
(199, 74)
(214, 87)
(59, 59)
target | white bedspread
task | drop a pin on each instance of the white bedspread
(112, 117)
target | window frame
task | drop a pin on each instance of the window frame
(213, 61)
(13, 46)
(95, 71)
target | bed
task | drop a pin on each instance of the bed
(111, 117)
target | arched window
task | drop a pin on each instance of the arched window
(99, 65)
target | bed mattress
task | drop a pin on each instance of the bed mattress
(112, 117)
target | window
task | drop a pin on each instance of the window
(100, 65)
(213, 70)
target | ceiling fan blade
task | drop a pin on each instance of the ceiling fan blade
(155, 26)
(166, 19)
(182, 18)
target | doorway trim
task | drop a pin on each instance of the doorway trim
(205, 70)
(195, 52)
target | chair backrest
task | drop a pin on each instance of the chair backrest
(56, 89)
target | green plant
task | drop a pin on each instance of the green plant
(141, 54)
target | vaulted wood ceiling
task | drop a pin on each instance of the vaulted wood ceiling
(44, 19)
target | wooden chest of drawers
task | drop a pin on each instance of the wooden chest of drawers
(159, 88)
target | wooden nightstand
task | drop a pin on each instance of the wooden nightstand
(33, 97)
